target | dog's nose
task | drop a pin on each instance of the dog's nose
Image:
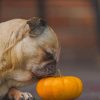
(51, 67)
(52, 63)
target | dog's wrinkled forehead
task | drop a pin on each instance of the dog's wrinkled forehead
(37, 26)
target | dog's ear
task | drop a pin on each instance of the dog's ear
(37, 26)
(16, 36)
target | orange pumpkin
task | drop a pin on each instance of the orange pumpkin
(59, 88)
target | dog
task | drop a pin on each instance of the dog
(29, 50)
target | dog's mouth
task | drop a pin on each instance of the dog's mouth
(47, 70)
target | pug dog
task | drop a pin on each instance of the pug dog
(29, 50)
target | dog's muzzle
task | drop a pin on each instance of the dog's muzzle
(49, 69)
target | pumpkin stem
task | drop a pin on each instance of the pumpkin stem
(59, 72)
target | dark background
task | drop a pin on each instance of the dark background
(77, 24)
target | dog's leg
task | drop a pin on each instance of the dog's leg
(15, 94)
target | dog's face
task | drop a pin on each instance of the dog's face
(40, 49)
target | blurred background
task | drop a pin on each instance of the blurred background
(77, 24)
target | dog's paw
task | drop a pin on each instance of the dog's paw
(15, 94)
(21, 96)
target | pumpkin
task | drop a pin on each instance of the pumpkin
(59, 88)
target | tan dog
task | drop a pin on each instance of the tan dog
(28, 48)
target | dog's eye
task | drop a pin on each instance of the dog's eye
(49, 56)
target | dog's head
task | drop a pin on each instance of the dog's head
(33, 47)
(40, 48)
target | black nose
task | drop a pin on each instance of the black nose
(52, 63)
(51, 68)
